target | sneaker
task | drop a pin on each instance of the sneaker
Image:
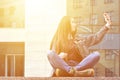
(72, 71)
(84, 73)
(62, 73)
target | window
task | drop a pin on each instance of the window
(77, 20)
(109, 72)
(76, 4)
(12, 59)
(109, 55)
(93, 2)
(14, 65)
(108, 1)
(94, 19)
(13, 15)
(96, 71)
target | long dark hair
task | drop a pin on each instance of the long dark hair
(60, 39)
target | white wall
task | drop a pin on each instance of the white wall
(12, 35)
(42, 18)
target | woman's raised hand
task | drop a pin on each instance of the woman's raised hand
(107, 19)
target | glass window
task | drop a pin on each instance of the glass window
(109, 55)
(108, 1)
(109, 72)
(76, 3)
(77, 20)
(12, 14)
(94, 19)
(14, 65)
(93, 2)
(96, 71)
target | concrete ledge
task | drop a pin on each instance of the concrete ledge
(59, 78)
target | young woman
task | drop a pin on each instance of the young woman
(67, 54)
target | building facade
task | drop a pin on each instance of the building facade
(89, 14)
(12, 14)
(12, 46)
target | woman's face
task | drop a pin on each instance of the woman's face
(73, 25)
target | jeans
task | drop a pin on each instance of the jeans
(87, 62)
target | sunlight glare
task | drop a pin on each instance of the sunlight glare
(42, 18)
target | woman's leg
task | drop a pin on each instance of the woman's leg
(57, 62)
(88, 62)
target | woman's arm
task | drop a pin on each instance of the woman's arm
(96, 38)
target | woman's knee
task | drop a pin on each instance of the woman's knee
(97, 55)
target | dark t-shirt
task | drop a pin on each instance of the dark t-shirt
(73, 52)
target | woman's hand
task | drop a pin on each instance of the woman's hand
(107, 19)
(63, 55)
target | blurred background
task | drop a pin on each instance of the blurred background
(89, 14)
(27, 27)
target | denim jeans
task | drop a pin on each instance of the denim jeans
(87, 62)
